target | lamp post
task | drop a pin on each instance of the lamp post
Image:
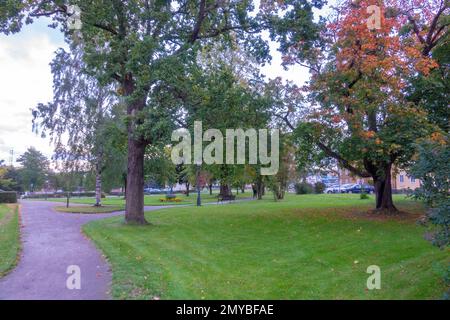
(197, 184)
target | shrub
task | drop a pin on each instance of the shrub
(319, 187)
(433, 169)
(363, 196)
(170, 199)
(303, 188)
(8, 197)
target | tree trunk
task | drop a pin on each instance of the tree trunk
(383, 191)
(259, 187)
(225, 190)
(135, 183)
(188, 185)
(210, 190)
(124, 186)
(134, 210)
(98, 188)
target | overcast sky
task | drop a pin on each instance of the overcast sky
(26, 81)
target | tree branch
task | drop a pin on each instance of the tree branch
(343, 162)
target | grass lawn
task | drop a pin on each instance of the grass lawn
(90, 209)
(9, 237)
(305, 247)
(151, 200)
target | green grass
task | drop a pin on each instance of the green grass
(89, 209)
(150, 200)
(305, 247)
(9, 237)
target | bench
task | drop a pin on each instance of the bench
(226, 198)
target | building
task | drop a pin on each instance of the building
(400, 180)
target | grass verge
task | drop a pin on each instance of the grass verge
(306, 247)
(90, 209)
(151, 200)
(9, 237)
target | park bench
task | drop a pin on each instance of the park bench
(226, 198)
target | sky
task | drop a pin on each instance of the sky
(26, 81)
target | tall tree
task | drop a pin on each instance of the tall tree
(143, 44)
(35, 167)
(360, 113)
(78, 117)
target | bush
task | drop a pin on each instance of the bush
(363, 196)
(319, 187)
(8, 197)
(303, 188)
(170, 199)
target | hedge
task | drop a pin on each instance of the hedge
(8, 197)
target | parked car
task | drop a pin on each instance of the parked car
(346, 187)
(357, 188)
(153, 191)
(332, 189)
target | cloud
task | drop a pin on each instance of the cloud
(25, 80)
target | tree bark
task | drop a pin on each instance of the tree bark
(259, 187)
(134, 210)
(383, 191)
(135, 183)
(98, 188)
(210, 190)
(188, 185)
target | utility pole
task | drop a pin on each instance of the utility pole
(11, 157)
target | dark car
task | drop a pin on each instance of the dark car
(357, 188)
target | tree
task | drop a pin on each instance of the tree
(35, 167)
(142, 45)
(432, 168)
(279, 183)
(360, 112)
(12, 179)
(159, 167)
(81, 110)
(5, 183)
(224, 91)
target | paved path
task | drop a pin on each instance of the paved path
(52, 241)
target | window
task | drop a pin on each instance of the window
(401, 178)
(413, 179)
